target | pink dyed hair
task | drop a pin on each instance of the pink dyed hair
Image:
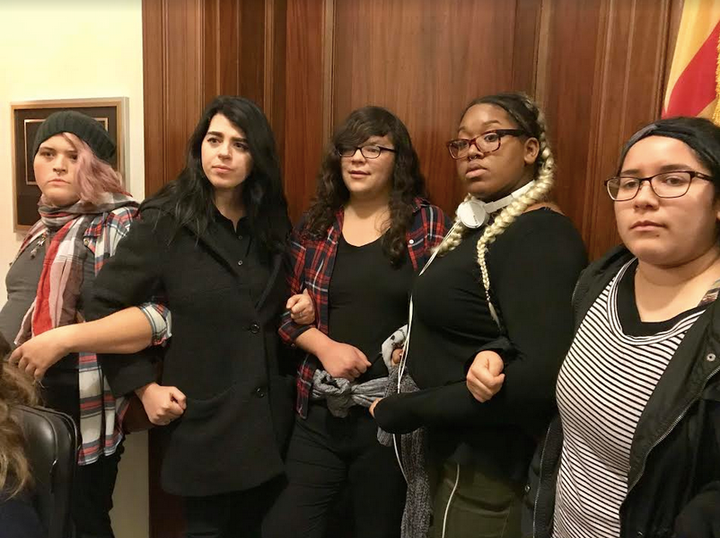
(93, 176)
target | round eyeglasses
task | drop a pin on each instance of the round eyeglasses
(665, 184)
(369, 152)
(487, 142)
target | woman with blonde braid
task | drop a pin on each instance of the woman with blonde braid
(494, 305)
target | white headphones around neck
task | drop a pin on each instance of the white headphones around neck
(474, 213)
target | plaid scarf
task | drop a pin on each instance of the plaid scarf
(56, 302)
(61, 280)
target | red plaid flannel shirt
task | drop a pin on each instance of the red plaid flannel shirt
(311, 263)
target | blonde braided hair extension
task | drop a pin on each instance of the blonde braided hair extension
(544, 182)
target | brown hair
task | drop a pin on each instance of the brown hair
(407, 180)
(15, 388)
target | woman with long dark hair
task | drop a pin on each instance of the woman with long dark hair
(356, 251)
(211, 244)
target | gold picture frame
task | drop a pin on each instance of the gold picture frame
(26, 118)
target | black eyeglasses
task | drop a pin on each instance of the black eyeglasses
(487, 142)
(369, 152)
(665, 184)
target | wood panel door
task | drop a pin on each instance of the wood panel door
(597, 67)
(601, 75)
(422, 59)
(194, 50)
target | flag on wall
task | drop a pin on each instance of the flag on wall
(694, 82)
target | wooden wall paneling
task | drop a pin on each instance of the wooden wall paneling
(262, 59)
(304, 106)
(629, 95)
(154, 111)
(221, 48)
(195, 50)
(525, 46)
(252, 50)
(183, 82)
(274, 81)
(568, 46)
(244, 54)
(172, 33)
(425, 60)
(601, 75)
(328, 71)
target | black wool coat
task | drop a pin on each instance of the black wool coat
(224, 354)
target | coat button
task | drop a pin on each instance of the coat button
(254, 328)
(527, 488)
(711, 357)
(86, 241)
(240, 262)
(411, 242)
(260, 392)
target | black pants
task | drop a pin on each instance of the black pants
(94, 484)
(92, 496)
(237, 514)
(326, 455)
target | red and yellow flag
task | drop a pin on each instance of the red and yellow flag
(694, 83)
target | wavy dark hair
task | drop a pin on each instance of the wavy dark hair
(407, 180)
(16, 388)
(191, 194)
(699, 134)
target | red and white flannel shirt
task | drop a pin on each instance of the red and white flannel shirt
(311, 264)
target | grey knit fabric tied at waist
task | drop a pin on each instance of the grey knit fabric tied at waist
(341, 394)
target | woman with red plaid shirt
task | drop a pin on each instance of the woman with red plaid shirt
(355, 252)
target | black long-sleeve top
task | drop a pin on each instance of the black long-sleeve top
(533, 267)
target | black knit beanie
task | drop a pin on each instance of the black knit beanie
(81, 125)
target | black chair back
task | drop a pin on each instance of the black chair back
(51, 439)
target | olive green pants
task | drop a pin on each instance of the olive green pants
(481, 506)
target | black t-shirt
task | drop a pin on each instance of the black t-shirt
(368, 300)
(628, 312)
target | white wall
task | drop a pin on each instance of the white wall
(76, 49)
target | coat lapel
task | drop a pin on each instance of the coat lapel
(210, 238)
(274, 274)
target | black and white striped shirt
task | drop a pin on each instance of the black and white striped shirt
(611, 370)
